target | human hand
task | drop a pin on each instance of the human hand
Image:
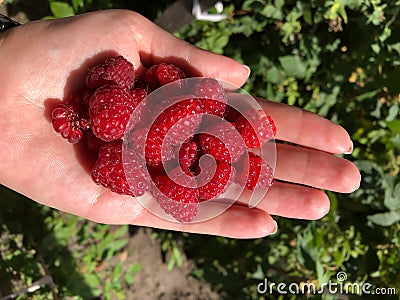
(44, 60)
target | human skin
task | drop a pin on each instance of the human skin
(42, 61)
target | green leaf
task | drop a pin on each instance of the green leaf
(116, 272)
(197, 273)
(129, 278)
(272, 12)
(253, 4)
(131, 272)
(61, 9)
(395, 47)
(394, 126)
(274, 75)
(93, 280)
(385, 219)
(293, 66)
(392, 192)
(367, 95)
(307, 16)
(77, 4)
(376, 48)
(279, 4)
(171, 264)
(134, 269)
(120, 232)
(117, 245)
(393, 113)
(338, 9)
(215, 41)
(178, 256)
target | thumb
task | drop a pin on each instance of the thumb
(157, 45)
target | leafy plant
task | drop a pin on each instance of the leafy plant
(83, 258)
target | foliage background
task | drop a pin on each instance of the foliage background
(338, 58)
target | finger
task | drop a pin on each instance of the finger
(236, 222)
(294, 201)
(316, 168)
(157, 45)
(305, 128)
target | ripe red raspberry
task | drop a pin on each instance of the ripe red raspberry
(259, 175)
(139, 138)
(157, 151)
(179, 122)
(115, 70)
(173, 126)
(108, 171)
(212, 96)
(217, 183)
(223, 142)
(162, 74)
(110, 109)
(138, 95)
(67, 120)
(179, 201)
(188, 154)
(255, 127)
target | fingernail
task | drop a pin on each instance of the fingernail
(248, 70)
(350, 150)
(359, 183)
(276, 228)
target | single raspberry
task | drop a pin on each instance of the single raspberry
(109, 172)
(136, 172)
(138, 95)
(173, 126)
(162, 74)
(110, 109)
(179, 201)
(259, 175)
(157, 151)
(139, 139)
(188, 154)
(255, 127)
(67, 120)
(223, 142)
(212, 96)
(216, 182)
(179, 121)
(115, 70)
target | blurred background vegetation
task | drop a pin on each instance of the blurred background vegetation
(338, 58)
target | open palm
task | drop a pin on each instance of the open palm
(45, 60)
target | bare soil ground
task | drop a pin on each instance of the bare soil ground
(154, 281)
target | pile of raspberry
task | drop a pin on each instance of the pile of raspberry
(178, 137)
